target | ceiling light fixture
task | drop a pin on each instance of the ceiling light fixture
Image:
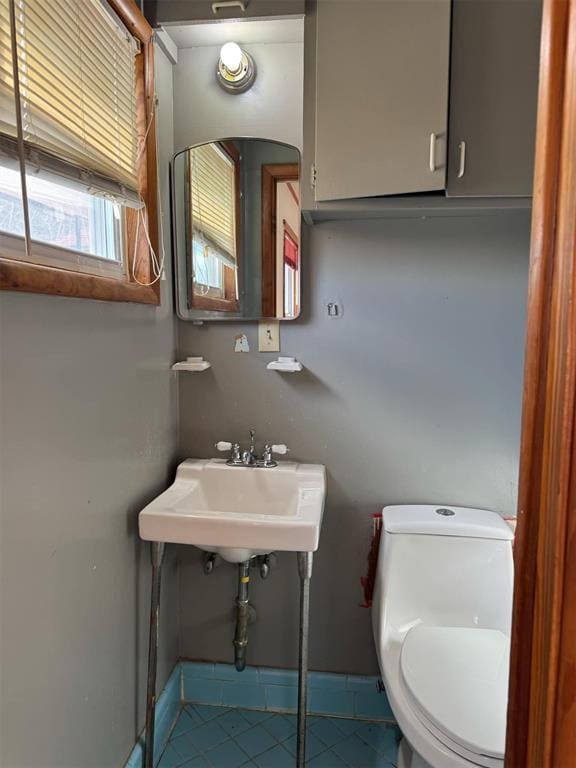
(236, 69)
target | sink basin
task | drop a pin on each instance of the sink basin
(239, 512)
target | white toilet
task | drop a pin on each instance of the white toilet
(441, 614)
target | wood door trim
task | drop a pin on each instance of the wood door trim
(271, 174)
(542, 702)
(293, 193)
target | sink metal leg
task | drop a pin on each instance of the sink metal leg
(305, 572)
(242, 616)
(157, 554)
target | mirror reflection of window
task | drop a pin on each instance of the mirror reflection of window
(291, 256)
(288, 247)
(214, 199)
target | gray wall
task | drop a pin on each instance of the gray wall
(88, 427)
(412, 396)
(271, 109)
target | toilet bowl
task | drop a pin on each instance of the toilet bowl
(441, 615)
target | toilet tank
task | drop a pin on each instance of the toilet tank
(442, 566)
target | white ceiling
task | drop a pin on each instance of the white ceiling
(218, 33)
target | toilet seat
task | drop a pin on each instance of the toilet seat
(456, 680)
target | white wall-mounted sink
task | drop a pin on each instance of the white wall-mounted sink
(239, 512)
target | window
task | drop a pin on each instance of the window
(291, 259)
(213, 172)
(75, 222)
(77, 150)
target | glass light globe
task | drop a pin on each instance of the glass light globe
(231, 56)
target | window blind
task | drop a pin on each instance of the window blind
(213, 199)
(7, 107)
(76, 70)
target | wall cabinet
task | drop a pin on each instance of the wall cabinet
(381, 97)
(160, 12)
(493, 96)
(376, 81)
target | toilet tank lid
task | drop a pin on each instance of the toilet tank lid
(445, 520)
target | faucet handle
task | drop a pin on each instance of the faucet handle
(267, 460)
(223, 445)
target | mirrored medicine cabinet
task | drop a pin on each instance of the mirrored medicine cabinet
(236, 229)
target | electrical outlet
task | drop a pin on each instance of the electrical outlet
(269, 336)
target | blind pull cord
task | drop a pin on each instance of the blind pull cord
(19, 129)
(157, 265)
(144, 142)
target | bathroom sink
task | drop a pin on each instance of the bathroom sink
(239, 512)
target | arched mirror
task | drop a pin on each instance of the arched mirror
(237, 234)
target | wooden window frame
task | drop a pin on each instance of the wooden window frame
(271, 174)
(231, 301)
(16, 275)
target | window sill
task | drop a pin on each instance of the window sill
(216, 305)
(33, 278)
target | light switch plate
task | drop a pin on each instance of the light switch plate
(269, 336)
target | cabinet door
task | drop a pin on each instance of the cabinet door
(160, 12)
(493, 95)
(381, 97)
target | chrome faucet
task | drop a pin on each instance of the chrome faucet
(249, 457)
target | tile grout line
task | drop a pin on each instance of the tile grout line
(277, 711)
(282, 742)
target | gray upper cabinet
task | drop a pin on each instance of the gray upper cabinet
(381, 97)
(493, 96)
(160, 12)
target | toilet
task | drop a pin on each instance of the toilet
(442, 610)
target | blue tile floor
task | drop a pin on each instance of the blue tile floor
(221, 737)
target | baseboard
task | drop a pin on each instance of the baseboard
(167, 710)
(277, 690)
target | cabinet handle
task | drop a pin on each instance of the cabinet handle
(220, 4)
(432, 152)
(462, 166)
